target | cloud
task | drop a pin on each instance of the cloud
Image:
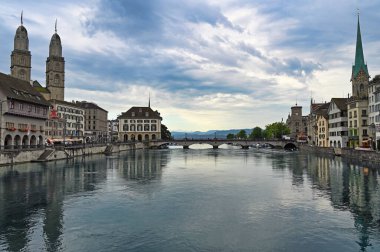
(207, 64)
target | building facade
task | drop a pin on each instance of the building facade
(312, 126)
(72, 117)
(95, 122)
(297, 124)
(322, 125)
(373, 109)
(138, 124)
(357, 123)
(113, 129)
(23, 114)
(338, 123)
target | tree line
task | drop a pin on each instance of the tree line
(272, 131)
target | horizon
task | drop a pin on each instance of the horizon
(207, 65)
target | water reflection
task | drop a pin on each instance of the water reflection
(32, 195)
(349, 187)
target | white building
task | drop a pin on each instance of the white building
(139, 123)
(338, 123)
(374, 108)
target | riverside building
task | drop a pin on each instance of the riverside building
(139, 123)
(337, 128)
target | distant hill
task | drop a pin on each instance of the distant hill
(221, 134)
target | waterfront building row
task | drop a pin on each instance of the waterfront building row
(32, 114)
(344, 122)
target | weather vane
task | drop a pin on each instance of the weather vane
(55, 25)
(21, 17)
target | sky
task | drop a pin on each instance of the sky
(207, 64)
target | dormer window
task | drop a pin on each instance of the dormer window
(146, 114)
(133, 114)
(140, 110)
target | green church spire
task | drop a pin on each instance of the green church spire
(359, 55)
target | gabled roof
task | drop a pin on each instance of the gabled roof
(65, 103)
(17, 89)
(140, 113)
(323, 110)
(341, 103)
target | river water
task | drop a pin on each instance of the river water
(191, 200)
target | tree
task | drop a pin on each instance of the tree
(165, 133)
(242, 134)
(257, 133)
(276, 130)
(230, 136)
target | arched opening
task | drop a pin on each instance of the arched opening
(125, 138)
(331, 144)
(290, 146)
(133, 137)
(17, 142)
(139, 137)
(334, 143)
(25, 141)
(33, 141)
(154, 137)
(40, 141)
(339, 145)
(8, 142)
(146, 137)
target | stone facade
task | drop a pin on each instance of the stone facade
(297, 124)
(139, 123)
(55, 69)
(21, 59)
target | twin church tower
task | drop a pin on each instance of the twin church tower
(21, 63)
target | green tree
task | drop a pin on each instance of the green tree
(276, 130)
(257, 133)
(165, 133)
(242, 134)
(230, 136)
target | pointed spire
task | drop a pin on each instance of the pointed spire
(149, 101)
(55, 25)
(359, 55)
(21, 17)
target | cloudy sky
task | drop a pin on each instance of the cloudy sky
(207, 64)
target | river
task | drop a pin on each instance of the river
(191, 200)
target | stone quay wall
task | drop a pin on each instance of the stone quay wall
(24, 156)
(362, 156)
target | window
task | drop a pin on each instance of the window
(11, 104)
(133, 114)
(146, 114)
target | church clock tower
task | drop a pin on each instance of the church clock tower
(360, 76)
(55, 68)
(21, 59)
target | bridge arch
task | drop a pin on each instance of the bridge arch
(290, 146)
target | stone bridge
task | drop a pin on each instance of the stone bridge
(215, 143)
